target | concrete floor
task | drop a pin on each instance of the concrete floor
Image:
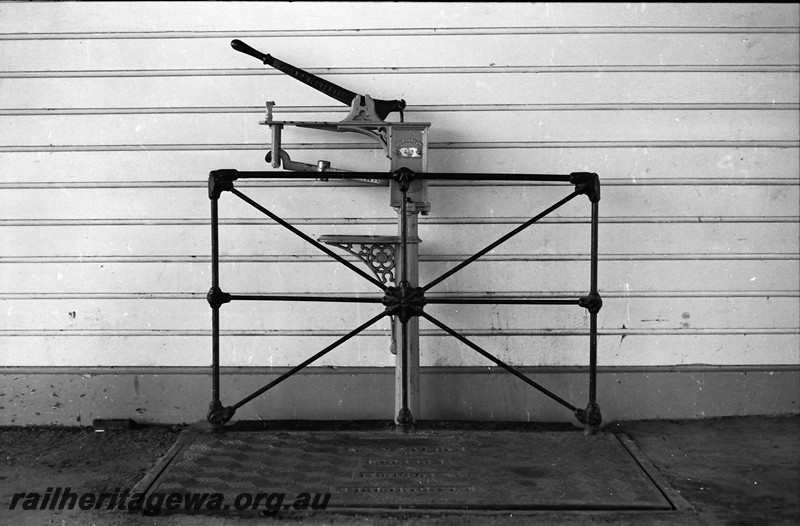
(732, 471)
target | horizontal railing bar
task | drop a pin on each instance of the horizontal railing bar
(289, 297)
(387, 175)
(498, 300)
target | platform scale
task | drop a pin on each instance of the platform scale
(400, 463)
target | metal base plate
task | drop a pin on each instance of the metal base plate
(436, 469)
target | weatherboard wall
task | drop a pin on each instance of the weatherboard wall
(114, 113)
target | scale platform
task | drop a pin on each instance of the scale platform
(434, 469)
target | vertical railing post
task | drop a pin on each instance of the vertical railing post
(589, 184)
(215, 401)
(218, 181)
(593, 313)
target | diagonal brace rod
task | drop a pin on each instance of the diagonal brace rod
(310, 240)
(499, 241)
(317, 356)
(496, 360)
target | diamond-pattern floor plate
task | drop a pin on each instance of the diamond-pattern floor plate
(433, 469)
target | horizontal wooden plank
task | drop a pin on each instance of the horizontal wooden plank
(293, 16)
(417, 89)
(400, 31)
(200, 129)
(563, 145)
(547, 351)
(272, 259)
(438, 239)
(242, 277)
(333, 222)
(281, 259)
(626, 294)
(419, 109)
(323, 201)
(642, 201)
(426, 51)
(279, 317)
(635, 164)
(471, 70)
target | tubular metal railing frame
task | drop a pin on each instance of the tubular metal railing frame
(403, 300)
